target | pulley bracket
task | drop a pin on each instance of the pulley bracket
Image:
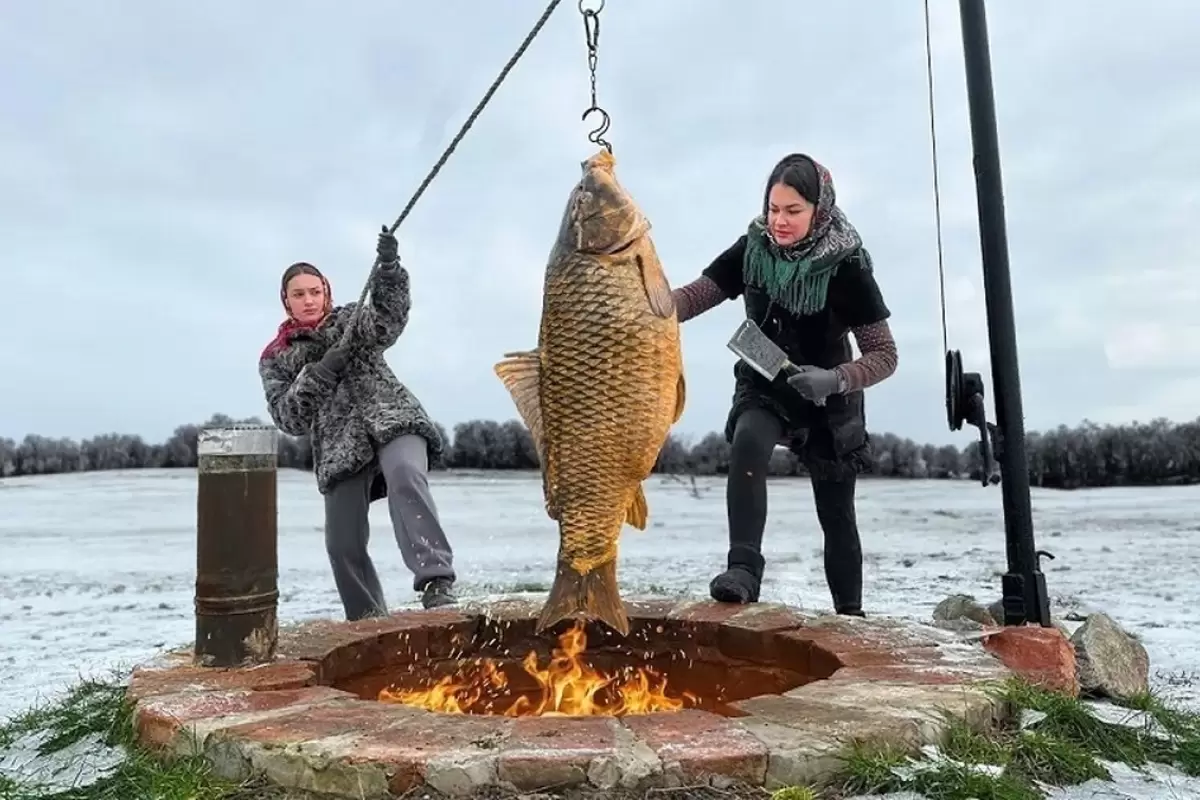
(965, 404)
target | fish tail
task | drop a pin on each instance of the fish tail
(592, 595)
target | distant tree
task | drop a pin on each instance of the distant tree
(1140, 454)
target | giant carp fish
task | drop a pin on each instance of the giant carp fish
(601, 390)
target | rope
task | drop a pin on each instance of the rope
(512, 62)
(937, 192)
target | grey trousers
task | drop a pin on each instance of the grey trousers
(423, 546)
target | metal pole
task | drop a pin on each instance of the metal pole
(1025, 597)
(237, 565)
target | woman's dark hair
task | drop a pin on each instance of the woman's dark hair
(303, 268)
(800, 173)
(299, 268)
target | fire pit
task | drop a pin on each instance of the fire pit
(460, 699)
(666, 664)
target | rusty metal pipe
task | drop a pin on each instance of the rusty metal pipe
(237, 563)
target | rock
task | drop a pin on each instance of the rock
(963, 607)
(958, 625)
(1112, 663)
(1042, 656)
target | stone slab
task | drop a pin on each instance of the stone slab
(697, 745)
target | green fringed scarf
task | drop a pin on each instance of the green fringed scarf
(800, 285)
(797, 277)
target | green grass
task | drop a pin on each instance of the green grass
(1069, 746)
(93, 719)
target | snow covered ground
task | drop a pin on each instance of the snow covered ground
(97, 569)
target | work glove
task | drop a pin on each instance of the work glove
(335, 360)
(388, 249)
(813, 383)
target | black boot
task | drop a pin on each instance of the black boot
(740, 583)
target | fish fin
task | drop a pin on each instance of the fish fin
(657, 289)
(638, 511)
(521, 374)
(680, 397)
(592, 596)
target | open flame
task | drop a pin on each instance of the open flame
(568, 687)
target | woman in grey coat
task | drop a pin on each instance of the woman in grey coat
(370, 436)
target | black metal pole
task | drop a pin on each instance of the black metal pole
(1025, 597)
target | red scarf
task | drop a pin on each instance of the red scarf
(283, 336)
(290, 326)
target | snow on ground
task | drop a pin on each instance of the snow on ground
(97, 569)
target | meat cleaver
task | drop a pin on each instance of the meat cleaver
(751, 345)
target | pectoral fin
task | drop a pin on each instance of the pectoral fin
(658, 291)
(521, 374)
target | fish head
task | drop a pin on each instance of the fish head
(601, 217)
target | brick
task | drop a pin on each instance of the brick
(449, 752)
(698, 744)
(160, 718)
(1042, 656)
(849, 649)
(355, 717)
(805, 651)
(555, 751)
(899, 673)
(767, 617)
(279, 675)
(829, 723)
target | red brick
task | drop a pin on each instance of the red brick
(555, 751)
(404, 750)
(358, 716)
(810, 652)
(702, 744)
(849, 648)
(1042, 656)
(159, 718)
(766, 617)
(279, 675)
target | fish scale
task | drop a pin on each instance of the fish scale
(602, 389)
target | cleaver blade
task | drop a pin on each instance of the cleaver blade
(751, 345)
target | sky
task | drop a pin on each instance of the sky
(161, 163)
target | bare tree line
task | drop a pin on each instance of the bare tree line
(1089, 455)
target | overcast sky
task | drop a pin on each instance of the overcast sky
(161, 163)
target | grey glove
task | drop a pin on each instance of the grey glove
(813, 383)
(388, 249)
(334, 361)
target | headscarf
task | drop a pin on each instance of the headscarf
(797, 276)
(291, 325)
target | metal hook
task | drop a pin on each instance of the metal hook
(597, 135)
(585, 11)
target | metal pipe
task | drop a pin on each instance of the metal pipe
(237, 565)
(1024, 585)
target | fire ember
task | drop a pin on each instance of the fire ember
(494, 664)
(566, 686)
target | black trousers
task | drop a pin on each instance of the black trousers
(755, 436)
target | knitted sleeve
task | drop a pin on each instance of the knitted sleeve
(878, 360)
(697, 297)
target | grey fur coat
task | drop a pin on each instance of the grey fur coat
(348, 420)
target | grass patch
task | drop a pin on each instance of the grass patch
(81, 747)
(1068, 744)
(67, 743)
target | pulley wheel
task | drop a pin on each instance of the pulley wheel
(955, 402)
